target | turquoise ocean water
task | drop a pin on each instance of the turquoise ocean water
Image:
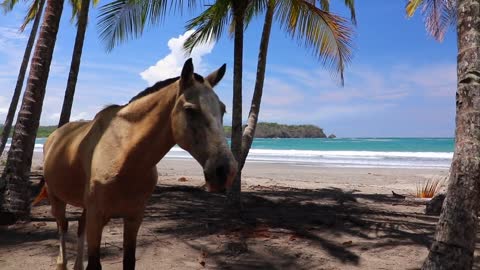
(345, 152)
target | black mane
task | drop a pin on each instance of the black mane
(160, 85)
(154, 88)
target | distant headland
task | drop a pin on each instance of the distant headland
(275, 130)
(264, 130)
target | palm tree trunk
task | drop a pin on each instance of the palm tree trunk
(21, 77)
(249, 132)
(239, 7)
(454, 242)
(19, 158)
(75, 64)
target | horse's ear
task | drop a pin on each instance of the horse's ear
(186, 77)
(215, 77)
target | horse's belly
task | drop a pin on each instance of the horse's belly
(64, 181)
(123, 197)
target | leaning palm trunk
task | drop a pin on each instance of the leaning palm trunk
(19, 158)
(249, 132)
(454, 242)
(75, 64)
(239, 7)
(21, 77)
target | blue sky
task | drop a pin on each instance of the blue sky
(400, 83)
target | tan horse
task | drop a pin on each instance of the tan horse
(107, 166)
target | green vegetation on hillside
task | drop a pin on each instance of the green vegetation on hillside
(264, 130)
(274, 130)
(42, 132)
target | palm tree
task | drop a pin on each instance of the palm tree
(123, 19)
(37, 8)
(239, 9)
(75, 63)
(16, 173)
(454, 243)
(327, 35)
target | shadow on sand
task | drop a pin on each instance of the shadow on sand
(323, 218)
(274, 221)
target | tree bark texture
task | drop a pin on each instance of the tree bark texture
(249, 132)
(455, 236)
(21, 77)
(19, 158)
(239, 7)
(75, 64)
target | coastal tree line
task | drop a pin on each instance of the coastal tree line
(328, 36)
(263, 130)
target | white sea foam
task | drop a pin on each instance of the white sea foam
(343, 158)
(334, 158)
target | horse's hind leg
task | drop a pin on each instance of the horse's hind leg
(58, 211)
(80, 242)
(130, 231)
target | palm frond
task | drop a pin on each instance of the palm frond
(121, 20)
(325, 5)
(438, 14)
(31, 13)
(254, 8)
(328, 36)
(76, 7)
(209, 25)
(7, 5)
(412, 6)
(351, 6)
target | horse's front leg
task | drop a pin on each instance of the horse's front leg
(130, 231)
(95, 224)
(80, 242)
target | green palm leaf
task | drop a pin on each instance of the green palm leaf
(351, 5)
(121, 20)
(31, 13)
(7, 5)
(325, 6)
(439, 15)
(328, 36)
(209, 25)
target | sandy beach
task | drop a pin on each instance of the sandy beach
(294, 217)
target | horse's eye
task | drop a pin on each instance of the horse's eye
(191, 111)
(190, 107)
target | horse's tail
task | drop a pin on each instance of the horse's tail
(41, 195)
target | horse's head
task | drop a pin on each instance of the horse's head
(197, 124)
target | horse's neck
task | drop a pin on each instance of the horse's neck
(150, 128)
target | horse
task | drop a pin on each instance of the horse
(107, 166)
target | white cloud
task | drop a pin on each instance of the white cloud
(280, 93)
(3, 107)
(12, 47)
(171, 65)
(436, 80)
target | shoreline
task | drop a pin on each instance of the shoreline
(401, 153)
(381, 180)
